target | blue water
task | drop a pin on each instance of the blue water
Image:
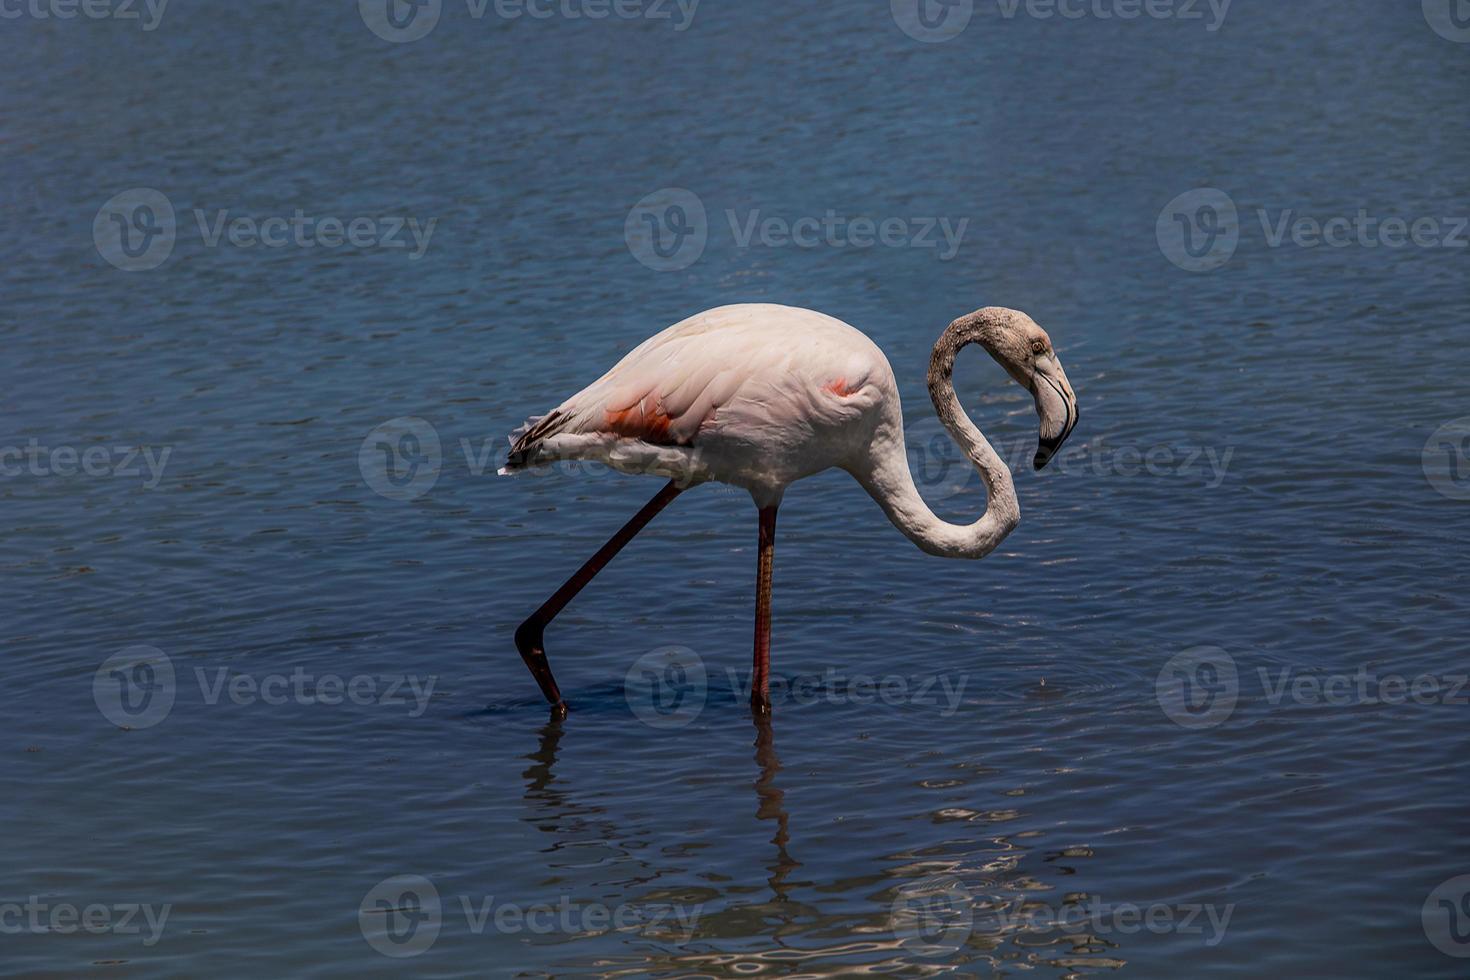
(907, 833)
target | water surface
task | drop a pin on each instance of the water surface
(1286, 520)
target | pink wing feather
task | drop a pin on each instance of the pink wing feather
(676, 383)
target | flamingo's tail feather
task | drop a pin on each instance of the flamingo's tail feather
(525, 440)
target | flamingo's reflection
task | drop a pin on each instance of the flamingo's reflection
(555, 808)
(770, 806)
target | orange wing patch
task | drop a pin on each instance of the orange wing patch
(644, 420)
(840, 388)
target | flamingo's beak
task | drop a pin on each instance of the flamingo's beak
(1056, 407)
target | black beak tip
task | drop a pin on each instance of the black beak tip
(1046, 449)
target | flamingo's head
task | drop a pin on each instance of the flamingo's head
(1025, 351)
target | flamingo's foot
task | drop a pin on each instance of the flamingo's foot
(532, 646)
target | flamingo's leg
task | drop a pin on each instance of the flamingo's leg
(760, 678)
(529, 635)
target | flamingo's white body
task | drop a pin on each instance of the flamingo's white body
(757, 396)
(760, 396)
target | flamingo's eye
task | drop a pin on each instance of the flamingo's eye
(1038, 347)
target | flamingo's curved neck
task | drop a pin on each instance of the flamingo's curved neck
(890, 483)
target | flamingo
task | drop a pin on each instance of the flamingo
(759, 396)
